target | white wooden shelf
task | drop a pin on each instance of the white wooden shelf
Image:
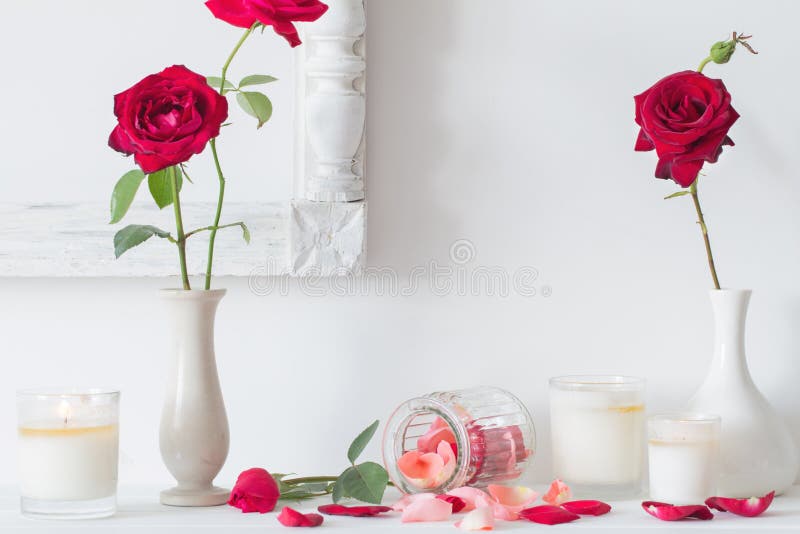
(139, 511)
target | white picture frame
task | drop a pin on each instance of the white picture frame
(320, 231)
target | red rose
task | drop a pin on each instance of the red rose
(280, 14)
(166, 118)
(255, 491)
(685, 117)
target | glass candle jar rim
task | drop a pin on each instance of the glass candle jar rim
(689, 418)
(597, 382)
(67, 393)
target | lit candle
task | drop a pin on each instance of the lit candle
(683, 454)
(597, 430)
(68, 453)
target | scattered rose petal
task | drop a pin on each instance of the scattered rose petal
(354, 511)
(557, 493)
(427, 510)
(255, 491)
(587, 507)
(420, 466)
(439, 431)
(745, 507)
(473, 497)
(407, 499)
(479, 519)
(668, 512)
(292, 518)
(512, 496)
(548, 515)
(457, 502)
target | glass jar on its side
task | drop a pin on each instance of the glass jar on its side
(490, 431)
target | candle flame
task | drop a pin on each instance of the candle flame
(64, 411)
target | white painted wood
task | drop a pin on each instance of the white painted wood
(139, 512)
(332, 104)
(327, 238)
(75, 240)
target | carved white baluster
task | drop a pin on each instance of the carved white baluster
(334, 104)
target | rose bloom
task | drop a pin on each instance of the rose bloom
(685, 117)
(280, 14)
(166, 118)
(255, 491)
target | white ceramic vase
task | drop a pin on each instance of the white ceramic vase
(758, 452)
(194, 426)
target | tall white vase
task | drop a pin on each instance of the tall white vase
(194, 426)
(758, 452)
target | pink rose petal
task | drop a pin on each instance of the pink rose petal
(457, 502)
(669, 512)
(479, 519)
(406, 500)
(417, 465)
(512, 496)
(439, 431)
(586, 507)
(473, 497)
(557, 493)
(548, 515)
(744, 507)
(427, 510)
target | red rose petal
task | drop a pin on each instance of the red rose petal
(353, 511)
(548, 515)
(745, 507)
(587, 507)
(457, 502)
(669, 512)
(292, 518)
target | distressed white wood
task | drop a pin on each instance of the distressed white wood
(66, 240)
(140, 513)
(327, 238)
(75, 240)
(332, 104)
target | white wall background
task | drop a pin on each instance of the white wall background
(505, 122)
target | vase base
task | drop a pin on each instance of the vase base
(210, 496)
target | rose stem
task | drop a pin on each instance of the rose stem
(213, 236)
(181, 242)
(311, 480)
(702, 222)
(696, 199)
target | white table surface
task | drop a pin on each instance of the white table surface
(139, 511)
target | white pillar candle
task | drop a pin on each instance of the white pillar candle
(597, 427)
(68, 453)
(683, 454)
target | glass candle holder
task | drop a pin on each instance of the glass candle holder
(598, 432)
(68, 453)
(484, 435)
(683, 450)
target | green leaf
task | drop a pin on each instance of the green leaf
(257, 79)
(365, 482)
(255, 104)
(676, 195)
(135, 234)
(215, 81)
(124, 193)
(160, 184)
(246, 233)
(338, 489)
(360, 443)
